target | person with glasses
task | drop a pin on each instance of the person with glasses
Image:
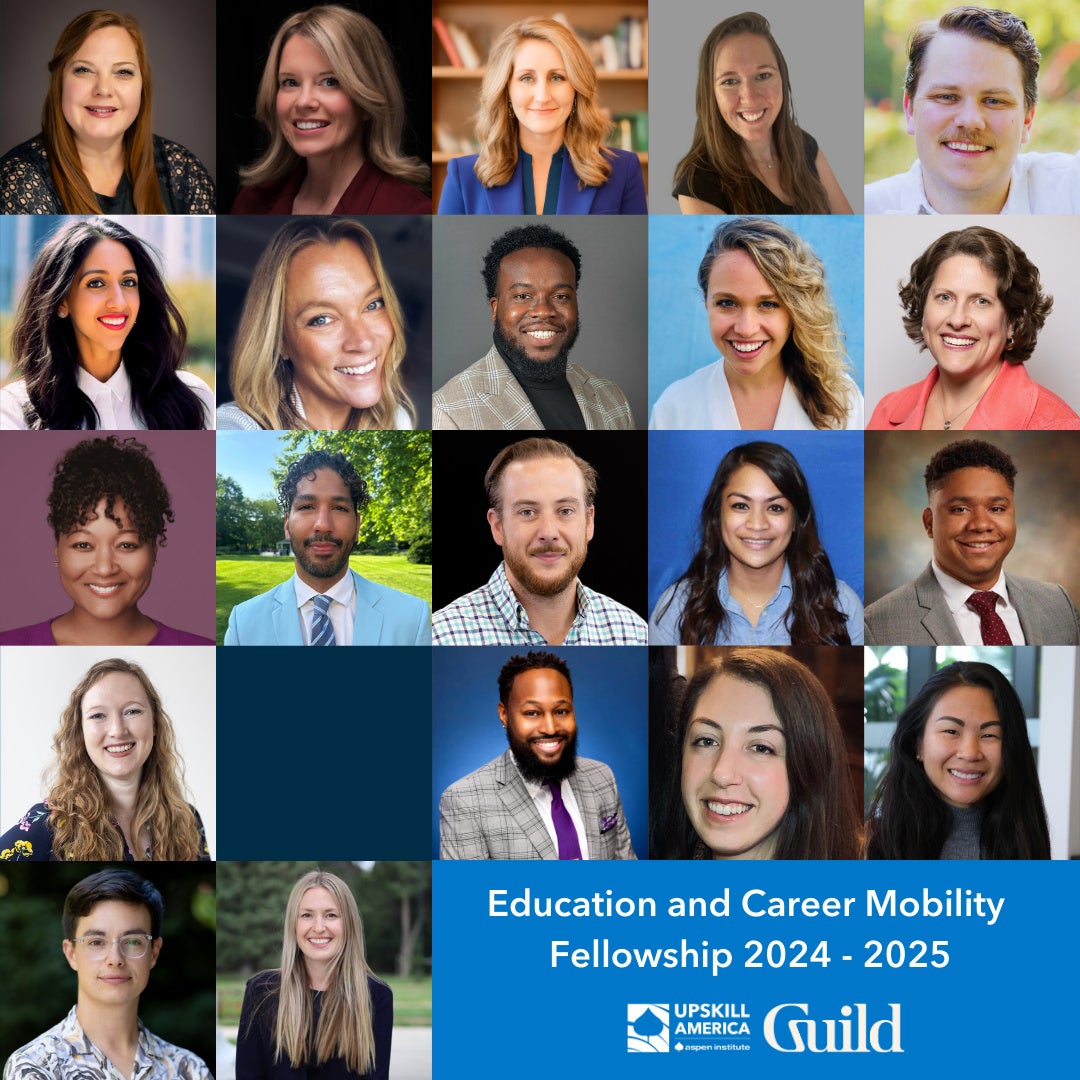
(112, 938)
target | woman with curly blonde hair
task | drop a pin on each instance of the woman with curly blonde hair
(542, 134)
(323, 1011)
(117, 787)
(331, 102)
(782, 361)
(322, 336)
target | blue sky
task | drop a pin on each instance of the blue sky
(246, 457)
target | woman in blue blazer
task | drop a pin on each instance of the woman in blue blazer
(542, 134)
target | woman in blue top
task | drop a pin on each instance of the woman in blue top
(542, 134)
(760, 576)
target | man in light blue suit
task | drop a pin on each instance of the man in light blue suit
(325, 602)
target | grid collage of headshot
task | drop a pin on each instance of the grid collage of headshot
(719, 529)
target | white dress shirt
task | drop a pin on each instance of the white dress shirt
(541, 796)
(111, 399)
(967, 621)
(230, 417)
(342, 608)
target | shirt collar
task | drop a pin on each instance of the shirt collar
(1016, 203)
(72, 1032)
(342, 592)
(118, 385)
(957, 593)
(724, 592)
(511, 608)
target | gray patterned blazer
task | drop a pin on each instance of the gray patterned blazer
(490, 814)
(487, 397)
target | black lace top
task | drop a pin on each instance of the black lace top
(26, 184)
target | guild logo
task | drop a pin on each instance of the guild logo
(647, 1028)
(851, 1033)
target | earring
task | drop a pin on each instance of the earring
(573, 108)
(1009, 341)
(510, 108)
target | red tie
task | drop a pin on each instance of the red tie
(984, 604)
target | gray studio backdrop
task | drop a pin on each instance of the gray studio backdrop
(612, 296)
(823, 45)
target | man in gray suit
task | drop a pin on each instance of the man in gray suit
(964, 596)
(538, 800)
(527, 379)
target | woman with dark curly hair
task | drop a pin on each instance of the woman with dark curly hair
(760, 576)
(961, 782)
(117, 785)
(108, 509)
(975, 302)
(99, 340)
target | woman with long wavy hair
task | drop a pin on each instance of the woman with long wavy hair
(323, 1010)
(749, 156)
(760, 575)
(782, 360)
(542, 134)
(756, 766)
(961, 782)
(117, 786)
(321, 339)
(98, 339)
(332, 106)
(96, 151)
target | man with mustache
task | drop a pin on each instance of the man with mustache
(541, 513)
(537, 800)
(325, 602)
(964, 597)
(527, 379)
(969, 97)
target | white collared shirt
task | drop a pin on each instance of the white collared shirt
(342, 608)
(111, 399)
(541, 796)
(1041, 184)
(967, 621)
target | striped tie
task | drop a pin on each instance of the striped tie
(322, 629)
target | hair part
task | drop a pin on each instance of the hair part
(113, 883)
(535, 449)
(1018, 286)
(908, 817)
(587, 128)
(520, 238)
(984, 24)
(535, 660)
(260, 377)
(304, 468)
(968, 454)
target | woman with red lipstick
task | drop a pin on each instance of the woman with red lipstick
(748, 155)
(117, 792)
(323, 1013)
(108, 509)
(975, 302)
(757, 767)
(99, 340)
(332, 105)
(321, 340)
(96, 151)
(961, 782)
(542, 134)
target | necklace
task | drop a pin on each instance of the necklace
(750, 603)
(948, 423)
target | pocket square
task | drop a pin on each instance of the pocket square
(608, 822)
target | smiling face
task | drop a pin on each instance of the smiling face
(969, 121)
(322, 527)
(103, 301)
(544, 526)
(734, 770)
(535, 309)
(337, 332)
(320, 934)
(118, 726)
(540, 92)
(960, 747)
(746, 319)
(104, 566)
(972, 521)
(965, 325)
(746, 81)
(101, 91)
(316, 115)
(757, 522)
(540, 724)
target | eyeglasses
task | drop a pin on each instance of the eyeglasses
(132, 946)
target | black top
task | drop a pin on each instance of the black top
(551, 192)
(709, 186)
(26, 183)
(255, 1039)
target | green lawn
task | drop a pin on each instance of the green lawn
(240, 577)
(412, 1000)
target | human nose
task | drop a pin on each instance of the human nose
(957, 315)
(357, 335)
(322, 518)
(114, 953)
(970, 748)
(746, 322)
(306, 97)
(726, 771)
(969, 115)
(104, 560)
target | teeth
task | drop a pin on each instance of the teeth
(319, 940)
(119, 749)
(113, 320)
(548, 745)
(970, 147)
(103, 590)
(363, 369)
(311, 125)
(746, 347)
(728, 809)
(756, 541)
(957, 340)
(965, 775)
(752, 116)
(543, 335)
(980, 544)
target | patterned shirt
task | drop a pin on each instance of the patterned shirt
(65, 1053)
(493, 615)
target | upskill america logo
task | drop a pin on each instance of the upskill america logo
(687, 1026)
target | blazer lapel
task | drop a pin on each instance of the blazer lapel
(572, 199)
(519, 805)
(284, 617)
(367, 627)
(937, 620)
(509, 198)
(589, 806)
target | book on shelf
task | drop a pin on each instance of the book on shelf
(631, 131)
(446, 41)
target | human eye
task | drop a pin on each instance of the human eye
(331, 82)
(731, 80)
(130, 282)
(126, 73)
(764, 76)
(704, 742)
(557, 76)
(944, 97)
(97, 714)
(777, 508)
(134, 710)
(739, 505)
(761, 748)
(94, 942)
(770, 305)
(724, 302)
(133, 942)
(305, 505)
(287, 83)
(317, 321)
(95, 283)
(130, 545)
(960, 509)
(81, 69)
(520, 296)
(376, 305)
(942, 297)
(526, 512)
